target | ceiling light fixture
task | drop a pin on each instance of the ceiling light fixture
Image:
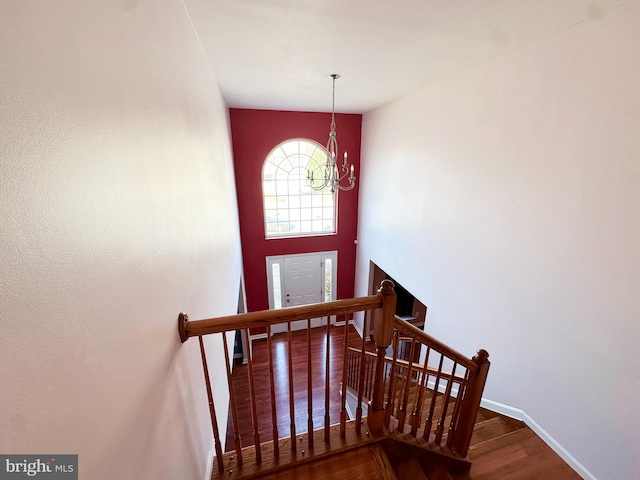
(336, 177)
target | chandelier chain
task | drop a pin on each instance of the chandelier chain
(333, 105)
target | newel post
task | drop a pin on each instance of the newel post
(470, 404)
(382, 335)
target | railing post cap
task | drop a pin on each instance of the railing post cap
(482, 356)
(386, 287)
(183, 319)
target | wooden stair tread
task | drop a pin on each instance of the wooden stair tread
(477, 449)
(494, 427)
(360, 463)
(484, 414)
(517, 455)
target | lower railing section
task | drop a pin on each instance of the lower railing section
(411, 382)
(425, 389)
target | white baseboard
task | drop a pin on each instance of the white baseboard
(442, 387)
(351, 405)
(502, 409)
(347, 406)
(258, 336)
(357, 328)
(209, 471)
(342, 322)
(519, 414)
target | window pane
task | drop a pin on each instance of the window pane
(291, 148)
(277, 288)
(328, 276)
(282, 187)
(294, 214)
(305, 213)
(270, 202)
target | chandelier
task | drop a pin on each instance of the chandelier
(334, 176)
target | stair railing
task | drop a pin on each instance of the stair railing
(389, 405)
(432, 391)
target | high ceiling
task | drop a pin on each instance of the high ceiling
(277, 54)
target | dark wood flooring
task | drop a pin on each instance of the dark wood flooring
(300, 383)
(501, 448)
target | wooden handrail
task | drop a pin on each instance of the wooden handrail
(194, 328)
(428, 340)
(414, 366)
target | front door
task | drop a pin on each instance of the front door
(303, 280)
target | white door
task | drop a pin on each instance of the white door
(302, 281)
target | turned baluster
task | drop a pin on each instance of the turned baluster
(404, 405)
(292, 413)
(309, 387)
(272, 386)
(417, 412)
(212, 408)
(252, 396)
(445, 405)
(232, 401)
(371, 366)
(327, 419)
(345, 366)
(391, 395)
(429, 423)
(361, 379)
(453, 426)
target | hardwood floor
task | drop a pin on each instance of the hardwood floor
(318, 376)
(504, 448)
(501, 448)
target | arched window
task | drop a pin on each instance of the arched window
(291, 207)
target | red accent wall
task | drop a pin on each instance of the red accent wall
(255, 133)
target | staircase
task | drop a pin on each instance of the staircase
(422, 399)
(500, 447)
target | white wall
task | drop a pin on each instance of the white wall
(507, 199)
(117, 211)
